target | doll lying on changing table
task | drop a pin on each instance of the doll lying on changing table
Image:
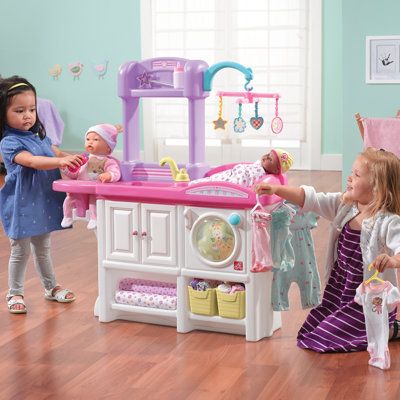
(275, 162)
(98, 165)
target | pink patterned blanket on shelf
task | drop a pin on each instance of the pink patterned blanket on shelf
(148, 286)
(145, 300)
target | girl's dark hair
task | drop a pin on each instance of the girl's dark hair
(6, 94)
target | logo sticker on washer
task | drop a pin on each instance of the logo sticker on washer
(238, 265)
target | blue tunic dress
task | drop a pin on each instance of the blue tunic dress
(28, 204)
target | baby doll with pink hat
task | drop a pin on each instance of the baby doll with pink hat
(275, 162)
(97, 165)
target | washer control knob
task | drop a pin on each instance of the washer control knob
(234, 219)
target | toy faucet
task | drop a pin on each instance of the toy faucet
(178, 175)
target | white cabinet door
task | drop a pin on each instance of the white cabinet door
(158, 234)
(122, 231)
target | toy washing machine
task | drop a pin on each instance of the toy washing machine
(218, 247)
(216, 239)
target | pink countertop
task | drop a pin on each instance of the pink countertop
(206, 194)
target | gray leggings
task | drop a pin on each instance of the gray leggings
(20, 251)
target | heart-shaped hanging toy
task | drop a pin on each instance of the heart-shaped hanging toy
(256, 122)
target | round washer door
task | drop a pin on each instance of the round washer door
(214, 240)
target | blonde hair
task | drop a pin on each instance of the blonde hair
(384, 169)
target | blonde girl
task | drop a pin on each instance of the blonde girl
(364, 230)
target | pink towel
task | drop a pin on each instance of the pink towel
(382, 133)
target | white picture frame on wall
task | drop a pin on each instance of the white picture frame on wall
(382, 59)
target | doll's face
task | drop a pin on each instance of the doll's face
(95, 144)
(269, 163)
(21, 112)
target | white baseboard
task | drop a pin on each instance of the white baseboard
(331, 162)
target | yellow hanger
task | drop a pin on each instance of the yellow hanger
(374, 277)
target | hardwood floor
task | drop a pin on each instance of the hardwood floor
(61, 351)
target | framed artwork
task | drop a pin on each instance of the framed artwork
(382, 59)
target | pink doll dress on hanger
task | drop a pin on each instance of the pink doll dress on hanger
(261, 259)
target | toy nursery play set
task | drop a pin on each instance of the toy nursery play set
(178, 253)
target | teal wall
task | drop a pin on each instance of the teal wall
(35, 35)
(49, 32)
(365, 18)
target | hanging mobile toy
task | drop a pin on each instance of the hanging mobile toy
(239, 124)
(256, 122)
(220, 122)
(276, 123)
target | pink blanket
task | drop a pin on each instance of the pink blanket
(382, 133)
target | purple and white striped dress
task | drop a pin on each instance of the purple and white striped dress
(338, 324)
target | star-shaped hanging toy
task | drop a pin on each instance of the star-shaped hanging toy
(220, 123)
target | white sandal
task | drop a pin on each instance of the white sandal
(60, 295)
(12, 302)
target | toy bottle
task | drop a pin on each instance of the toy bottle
(85, 159)
(178, 76)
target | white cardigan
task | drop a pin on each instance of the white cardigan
(379, 234)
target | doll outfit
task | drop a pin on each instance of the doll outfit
(377, 299)
(281, 247)
(29, 208)
(305, 271)
(95, 166)
(241, 174)
(338, 324)
(89, 171)
(261, 259)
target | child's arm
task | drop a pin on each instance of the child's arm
(384, 261)
(293, 194)
(27, 159)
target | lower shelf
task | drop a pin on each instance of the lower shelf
(143, 310)
(217, 319)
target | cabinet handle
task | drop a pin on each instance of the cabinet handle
(144, 234)
(134, 233)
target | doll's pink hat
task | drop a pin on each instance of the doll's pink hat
(284, 158)
(108, 132)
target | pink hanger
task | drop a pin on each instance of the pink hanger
(249, 96)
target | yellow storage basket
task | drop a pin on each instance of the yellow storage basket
(232, 305)
(203, 301)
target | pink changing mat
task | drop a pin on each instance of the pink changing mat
(382, 133)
